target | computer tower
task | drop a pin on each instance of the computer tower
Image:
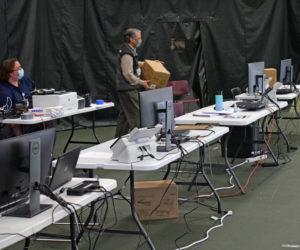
(249, 148)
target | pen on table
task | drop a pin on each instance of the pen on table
(201, 115)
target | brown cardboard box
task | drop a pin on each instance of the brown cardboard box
(149, 194)
(156, 73)
(270, 72)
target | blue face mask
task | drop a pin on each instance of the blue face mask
(21, 73)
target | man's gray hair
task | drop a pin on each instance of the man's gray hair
(130, 33)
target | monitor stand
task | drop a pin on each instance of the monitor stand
(168, 127)
(33, 207)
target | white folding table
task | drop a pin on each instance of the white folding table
(99, 156)
(72, 113)
(239, 118)
(14, 229)
(289, 97)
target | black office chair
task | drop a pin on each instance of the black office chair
(235, 91)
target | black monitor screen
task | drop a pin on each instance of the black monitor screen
(147, 101)
(285, 76)
(15, 164)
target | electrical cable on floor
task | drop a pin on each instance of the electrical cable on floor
(178, 163)
(67, 206)
(101, 219)
(103, 222)
(96, 222)
(258, 163)
(251, 173)
(201, 155)
(229, 213)
(230, 181)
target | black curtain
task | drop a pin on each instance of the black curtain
(73, 44)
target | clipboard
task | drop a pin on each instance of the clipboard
(193, 127)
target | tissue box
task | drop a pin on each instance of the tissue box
(149, 194)
(156, 73)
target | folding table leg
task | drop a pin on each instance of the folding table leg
(94, 128)
(27, 243)
(281, 132)
(167, 173)
(133, 212)
(212, 188)
(71, 135)
(268, 146)
(228, 164)
(240, 145)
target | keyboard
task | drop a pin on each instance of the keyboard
(250, 105)
(283, 91)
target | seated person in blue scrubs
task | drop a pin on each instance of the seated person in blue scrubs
(15, 87)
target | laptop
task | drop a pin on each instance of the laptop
(65, 168)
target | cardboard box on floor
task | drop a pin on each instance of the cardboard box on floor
(156, 73)
(149, 194)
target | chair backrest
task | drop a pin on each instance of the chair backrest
(235, 91)
(180, 87)
(178, 109)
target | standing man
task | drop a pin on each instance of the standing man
(128, 82)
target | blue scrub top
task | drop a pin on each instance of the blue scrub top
(26, 85)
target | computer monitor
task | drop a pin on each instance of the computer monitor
(256, 77)
(15, 163)
(286, 71)
(148, 101)
(156, 106)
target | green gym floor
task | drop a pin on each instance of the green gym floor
(265, 217)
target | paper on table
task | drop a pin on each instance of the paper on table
(227, 111)
(204, 114)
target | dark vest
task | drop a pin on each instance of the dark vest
(122, 83)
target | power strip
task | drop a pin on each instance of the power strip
(256, 158)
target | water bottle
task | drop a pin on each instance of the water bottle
(219, 101)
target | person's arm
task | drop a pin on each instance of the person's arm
(6, 98)
(127, 70)
(6, 102)
(30, 83)
(33, 85)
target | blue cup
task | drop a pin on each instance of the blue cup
(99, 102)
(219, 101)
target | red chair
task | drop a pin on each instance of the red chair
(178, 108)
(181, 93)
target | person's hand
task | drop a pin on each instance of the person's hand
(159, 61)
(146, 84)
